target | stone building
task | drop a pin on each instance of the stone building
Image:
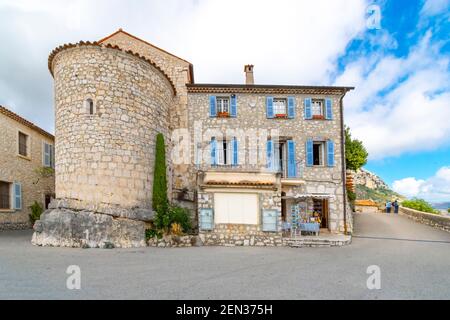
(243, 158)
(25, 150)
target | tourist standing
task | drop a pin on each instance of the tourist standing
(396, 205)
(388, 206)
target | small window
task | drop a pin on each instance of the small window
(223, 106)
(90, 106)
(23, 144)
(318, 153)
(5, 196)
(48, 158)
(223, 152)
(317, 108)
(279, 107)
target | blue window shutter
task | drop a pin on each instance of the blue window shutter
(291, 107)
(17, 196)
(309, 153)
(233, 112)
(269, 220)
(269, 107)
(270, 155)
(206, 219)
(234, 160)
(212, 106)
(308, 111)
(330, 153)
(292, 164)
(328, 109)
(46, 157)
(213, 151)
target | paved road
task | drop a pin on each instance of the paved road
(414, 261)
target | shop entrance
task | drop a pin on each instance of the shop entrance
(321, 209)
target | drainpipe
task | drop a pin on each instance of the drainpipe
(344, 169)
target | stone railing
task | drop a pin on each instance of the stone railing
(434, 220)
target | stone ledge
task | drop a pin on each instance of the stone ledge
(434, 220)
(15, 226)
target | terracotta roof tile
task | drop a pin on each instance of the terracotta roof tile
(25, 122)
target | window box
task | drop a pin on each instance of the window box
(318, 117)
(223, 114)
(281, 116)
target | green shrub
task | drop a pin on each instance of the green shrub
(448, 210)
(351, 195)
(153, 233)
(419, 205)
(159, 198)
(167, 214)
(36, 211)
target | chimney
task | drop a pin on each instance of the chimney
(249, 79)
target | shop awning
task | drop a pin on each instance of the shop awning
(310, 196)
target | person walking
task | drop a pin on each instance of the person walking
(396, 205)
(388, 206)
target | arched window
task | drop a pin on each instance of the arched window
(90, 106)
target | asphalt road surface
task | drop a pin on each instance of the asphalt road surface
(414, 262)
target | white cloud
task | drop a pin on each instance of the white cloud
(401, 104)
(289, 41)
(436, 188)
(433, 7)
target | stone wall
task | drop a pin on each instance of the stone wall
(251, 114)
(434, 220)
(16, 168)
(105, 161)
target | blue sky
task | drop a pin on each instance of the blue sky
(400, 108)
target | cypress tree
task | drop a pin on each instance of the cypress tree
(159, 175)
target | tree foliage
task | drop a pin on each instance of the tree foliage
(355, 152)
(419, 205)
(159, 198)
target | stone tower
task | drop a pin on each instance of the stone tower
(109, 106)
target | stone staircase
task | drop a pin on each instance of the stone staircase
(319, 242)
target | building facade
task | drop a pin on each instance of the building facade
(244, 159)
(25, 171)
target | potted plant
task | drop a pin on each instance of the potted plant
(223, 115)
(280, 115)
(318, 117)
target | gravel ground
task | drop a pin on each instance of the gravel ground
(414, 260)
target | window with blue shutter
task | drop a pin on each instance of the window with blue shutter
(206, 219)
(233, 112)
(269, 220)
(292, 163)
(330, 153)
(213, 151)
(308, 111)
(270, 155)
(17, 196)
(212, 106)
(309, 153)
(235, 149)
(46, 155)
(328, 109)
(291, 107)
(269, 107)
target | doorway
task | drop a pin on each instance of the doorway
(321, 207)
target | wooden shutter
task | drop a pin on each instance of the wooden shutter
(291, 107)
(328, 109)
(213, 151)
(292, 163)
(330, 153)
(308, 111)
(270, 155)
(206, 219)
(46, 154)
(235, 152)
(269, 108)
(309, 153)
(269, 220)
(233, 106)
(17, 196)
(212, 106)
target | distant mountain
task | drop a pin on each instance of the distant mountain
(441, 205)
(370, 186)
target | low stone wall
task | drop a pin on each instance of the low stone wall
(15, 226)
(434, 220)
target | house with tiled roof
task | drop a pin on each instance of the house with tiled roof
(248, 160)
(26, 166)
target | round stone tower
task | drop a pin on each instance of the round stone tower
(109, 106)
